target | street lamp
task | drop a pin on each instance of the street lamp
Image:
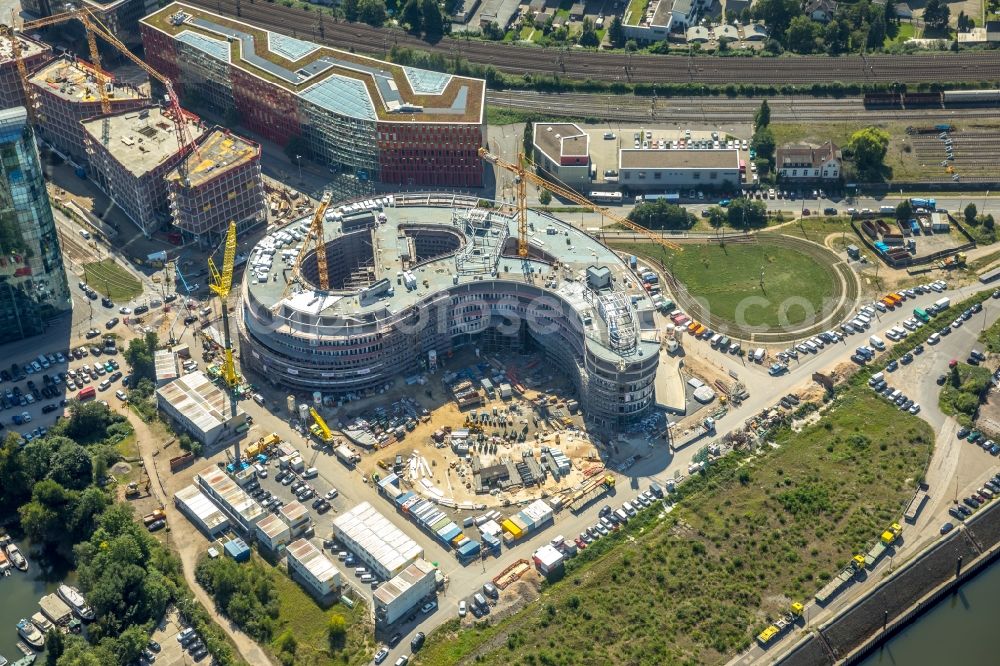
(298, 160)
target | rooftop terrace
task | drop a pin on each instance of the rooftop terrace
(218, 152)
(29, 47)
(340, 81)
(140, 140)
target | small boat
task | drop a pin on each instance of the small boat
(26, 660)
(3, 660)
(4, 564)
(43, 623)
(16, 558)
(30, 633)
(72, 596)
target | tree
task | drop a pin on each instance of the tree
(411, 15)
(433, 21)
(970, 213)
(616, 33)
(763, 143)
(589, 36)
(763, 116)
(777, 14)
(747, 214)
(336, 631)
(965, 22)
(350, 9)
(716, 216)
(88, 422)
(936, 15)
(904, 210)
(803, 35)
(876, 33)
(140, 352)
(545, 197)
(988, 222)
(661, 215)
(71, 466)
(836, 35)
(54, 646)
(868, 147)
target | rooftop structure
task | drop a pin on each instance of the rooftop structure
(394, 598)
(201, 510)
(679, 159)
(165, 363)
(296, 516)
(54, 608)
(563, 149)
(310, 565)
(399, 261)
(130, 155)
(376, 540)
(242, 509)
(802, 161)
(272, 532)
(33, 53)
(67, 92)
(380, 120)
(658, 170)
(200, 407)
(218, 184)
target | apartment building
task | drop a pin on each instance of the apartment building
(805, 163)
(219, 183)
(375, 119)
(121, 17)
(67, 92)
(130, 155)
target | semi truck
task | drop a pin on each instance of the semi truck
(775, 630)
(346, 455)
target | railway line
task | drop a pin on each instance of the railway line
(632, 108)
(969, 66)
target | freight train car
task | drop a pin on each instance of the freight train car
(972, 97)
(922, 100)
(883, 101)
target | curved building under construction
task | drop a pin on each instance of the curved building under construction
(414, 277)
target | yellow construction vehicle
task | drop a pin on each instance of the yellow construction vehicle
(320, 430)
(221, 284)
(524, 175)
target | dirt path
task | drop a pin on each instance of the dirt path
(187, 540)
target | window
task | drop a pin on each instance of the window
(657, 176)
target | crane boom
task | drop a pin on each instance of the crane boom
(221, 284)
(315, 235)
(524, 176)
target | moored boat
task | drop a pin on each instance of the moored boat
(30, 633)
(4, 564)
(72, 596)
(16, 558)
(43, 623)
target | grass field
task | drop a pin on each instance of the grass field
(110, 279)
(725, 277)
(756, 533)
(308, 623)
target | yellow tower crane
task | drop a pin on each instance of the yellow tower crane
(221, 283)
(523, 175)
(314, 236)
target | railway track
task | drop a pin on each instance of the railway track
(632, 108)
(969, 66)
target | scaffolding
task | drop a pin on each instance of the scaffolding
(615, 309)
(484, 240)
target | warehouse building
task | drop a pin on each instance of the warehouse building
(455, 261)
(375, 119)
(33, 53)
(563, 150)
(395, 598)
(132, 164)
(296, 516)
(655, 170)
(308, 565)
(66, 91)
(273, 534)
(218, 184)
(201, 511)
(240, 508)
(200, 408)
(376, 541)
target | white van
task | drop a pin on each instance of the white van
(759, 355)
(877, 342)
(310, 473)
(261, 470)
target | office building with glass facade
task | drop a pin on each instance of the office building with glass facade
(33, 286)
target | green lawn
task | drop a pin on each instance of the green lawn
(754, 534)
(905, 31)
(308, 623)
(636, 10)
(725, 277)
(110, 279)
(991, 338)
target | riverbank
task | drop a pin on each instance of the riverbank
(904, 596)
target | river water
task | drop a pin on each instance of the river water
(19, 595)
(960, 629)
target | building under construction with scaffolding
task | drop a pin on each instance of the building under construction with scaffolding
(130, 156)
(413, 278)
(34, 54)
(219, 183)
(66, 92)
